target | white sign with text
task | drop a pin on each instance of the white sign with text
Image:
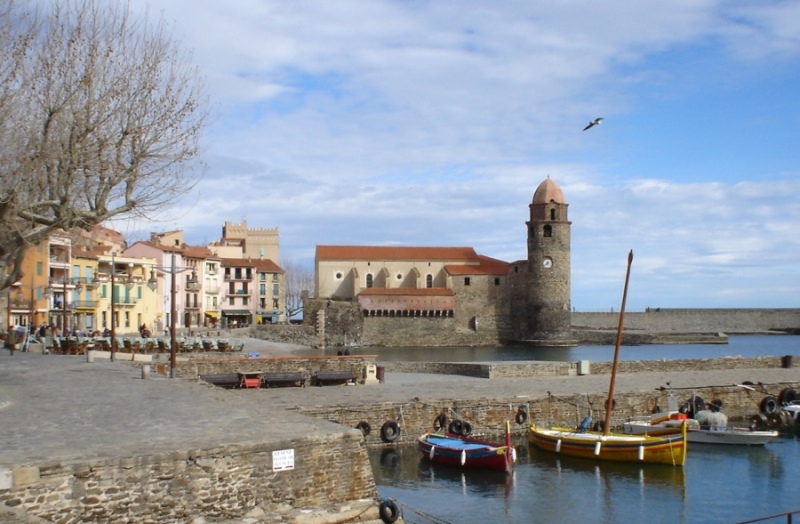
(282, 460)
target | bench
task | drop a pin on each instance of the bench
(322, 378)
(287, 378)
(222, 380)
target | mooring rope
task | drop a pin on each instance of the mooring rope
(435, 520)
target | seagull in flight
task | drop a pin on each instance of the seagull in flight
(595, 122)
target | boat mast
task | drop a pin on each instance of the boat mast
(610, 401)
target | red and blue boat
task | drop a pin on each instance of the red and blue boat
(466, 452)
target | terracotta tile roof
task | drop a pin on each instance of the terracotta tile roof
(463, 254)
(197, 252)
(265, 264)
(260, 264)
(427, 291)
(485, 266)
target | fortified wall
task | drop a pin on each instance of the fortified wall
(340, 324)
(686, 320)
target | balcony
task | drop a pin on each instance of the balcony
(83, 304)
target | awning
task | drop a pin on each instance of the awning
(212, 314)
(236, 312)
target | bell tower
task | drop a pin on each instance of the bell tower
(548, 284)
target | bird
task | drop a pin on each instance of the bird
(595, 122)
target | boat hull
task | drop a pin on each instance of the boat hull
(670, 449)
(696, 434)
(464, 452)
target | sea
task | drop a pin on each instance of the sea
(718, 484)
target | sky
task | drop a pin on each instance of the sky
(415, 123)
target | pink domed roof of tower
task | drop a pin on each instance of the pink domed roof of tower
(548, 191)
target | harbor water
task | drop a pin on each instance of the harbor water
(718, 484)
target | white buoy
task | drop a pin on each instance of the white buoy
(513, 454)
(433, 448)
(463, 456)
(597, 448)
(558, 446)
(641, 452)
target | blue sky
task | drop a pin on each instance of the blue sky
(432, 123)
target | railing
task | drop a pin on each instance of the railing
(83, 304)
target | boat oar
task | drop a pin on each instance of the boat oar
(610, 402)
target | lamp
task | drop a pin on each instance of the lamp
(191, 285)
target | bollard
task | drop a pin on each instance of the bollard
(145, 372)
(90, 356)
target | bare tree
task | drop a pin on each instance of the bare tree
(297, 279)
(100, 116)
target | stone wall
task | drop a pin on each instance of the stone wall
(489, 416)
(694, 320)
(427, 332)
(494, 370)
(216, 484)
(195, 367)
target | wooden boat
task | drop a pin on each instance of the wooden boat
(668, 449)
(696, 431)
(467, 452)
(580, 442)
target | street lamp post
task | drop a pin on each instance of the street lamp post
(191, 285)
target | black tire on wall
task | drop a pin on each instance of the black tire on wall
(768, 405)
(455, 427)
(390, 431)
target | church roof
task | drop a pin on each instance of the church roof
(548, 191)
(450, 254)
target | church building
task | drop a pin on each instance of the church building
(448, 296)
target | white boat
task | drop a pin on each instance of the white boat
(707, 428)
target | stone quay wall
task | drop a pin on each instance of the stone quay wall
(522, 369)
(196, 366)
(223, 483)
(686, 320)
(488, 417)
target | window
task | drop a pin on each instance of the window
(103, 295)
(497, 281)
(127, 319)
(275, 303)
(231, 301)
(274, 277)
(262, 276)
(38, 269)
(429, 281)
(338, 275)
(245, 300)
(262, 289)
(369, 279)
(552, 214)
(399, 276)
(548, 231)
(466, 281)
(276, 289)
